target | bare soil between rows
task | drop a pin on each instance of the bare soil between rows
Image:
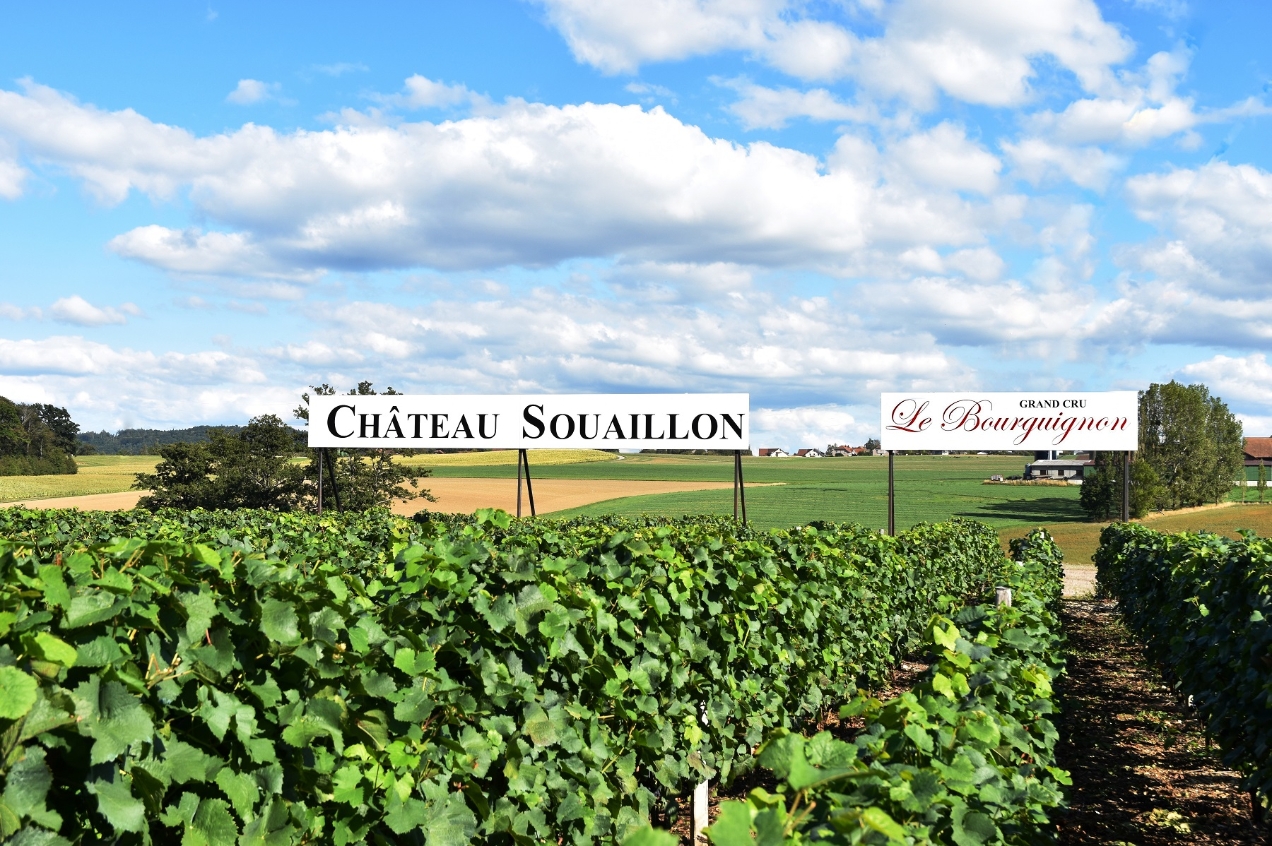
(1142, 771)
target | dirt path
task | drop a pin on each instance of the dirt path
(1141, 770)
(1079, 580)
(455, 496)
(87, 502)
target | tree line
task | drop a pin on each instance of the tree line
(36, 439)
(267, 464)
(144, 441)
(1191, 452)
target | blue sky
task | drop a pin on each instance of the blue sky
(206, 207)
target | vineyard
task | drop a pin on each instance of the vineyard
(248, 677)
(1201, 603)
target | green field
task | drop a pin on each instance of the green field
(799, 490)
(97, 474)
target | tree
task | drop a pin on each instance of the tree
(364, 478)
(34, 439)
(872, 444)
(64, 430)
(251, 468)
(1192, 441)
(1101, 496)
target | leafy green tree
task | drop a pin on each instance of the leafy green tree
(13, 436)
(1192, 441)
(1101, 496)
(64, 430)
(29, 445)
(364, 478)
(252, 468)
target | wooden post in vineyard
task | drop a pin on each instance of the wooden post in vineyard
(701, 803)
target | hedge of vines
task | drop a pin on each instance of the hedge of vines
(290, 679)
(967, 757)
(1202, 605)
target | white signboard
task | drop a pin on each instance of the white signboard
(547, 421)
(1049, 420)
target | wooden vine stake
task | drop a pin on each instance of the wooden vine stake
(1002, 596)
(701, 802)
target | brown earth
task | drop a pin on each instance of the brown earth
(1142, 770)
(88, 502)
(463, 496)
(455, 496)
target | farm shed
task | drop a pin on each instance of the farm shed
(1066, 469)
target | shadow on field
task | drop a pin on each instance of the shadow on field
(1050, 509)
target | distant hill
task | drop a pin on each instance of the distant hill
(146, 441)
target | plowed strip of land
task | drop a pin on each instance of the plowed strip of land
(454, 496)
(463, 496)
(87, 502)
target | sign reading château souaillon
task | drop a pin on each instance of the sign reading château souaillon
(1048, 420)
(537, 421)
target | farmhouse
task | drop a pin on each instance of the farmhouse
(838, 450)
(1064, 469)
(773, 452)
(813, 452)
(1256, 450)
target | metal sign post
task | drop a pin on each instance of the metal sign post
(331, 469)
(1126, 487)
(523, 458)
(739, 486)
(320, 452)
(892, 502)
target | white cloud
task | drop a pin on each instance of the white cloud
(109, 387)
(12, 178)
(528, 184)
(617, 37)
(771, 108)
(75, 356)
(1219, 217)
(420, 92)
(1244, 379)
(984, 52)
(650, 92)
(1134, 110)
(976, 314)
(1039, 161)
(75, 309)
(978, 52)
(944, 157)
(666, 282)
(792, 352)
(341, 68)
(810, 426)
(314, 353)
(197, 253)
(1141, 108)
(251, 91)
